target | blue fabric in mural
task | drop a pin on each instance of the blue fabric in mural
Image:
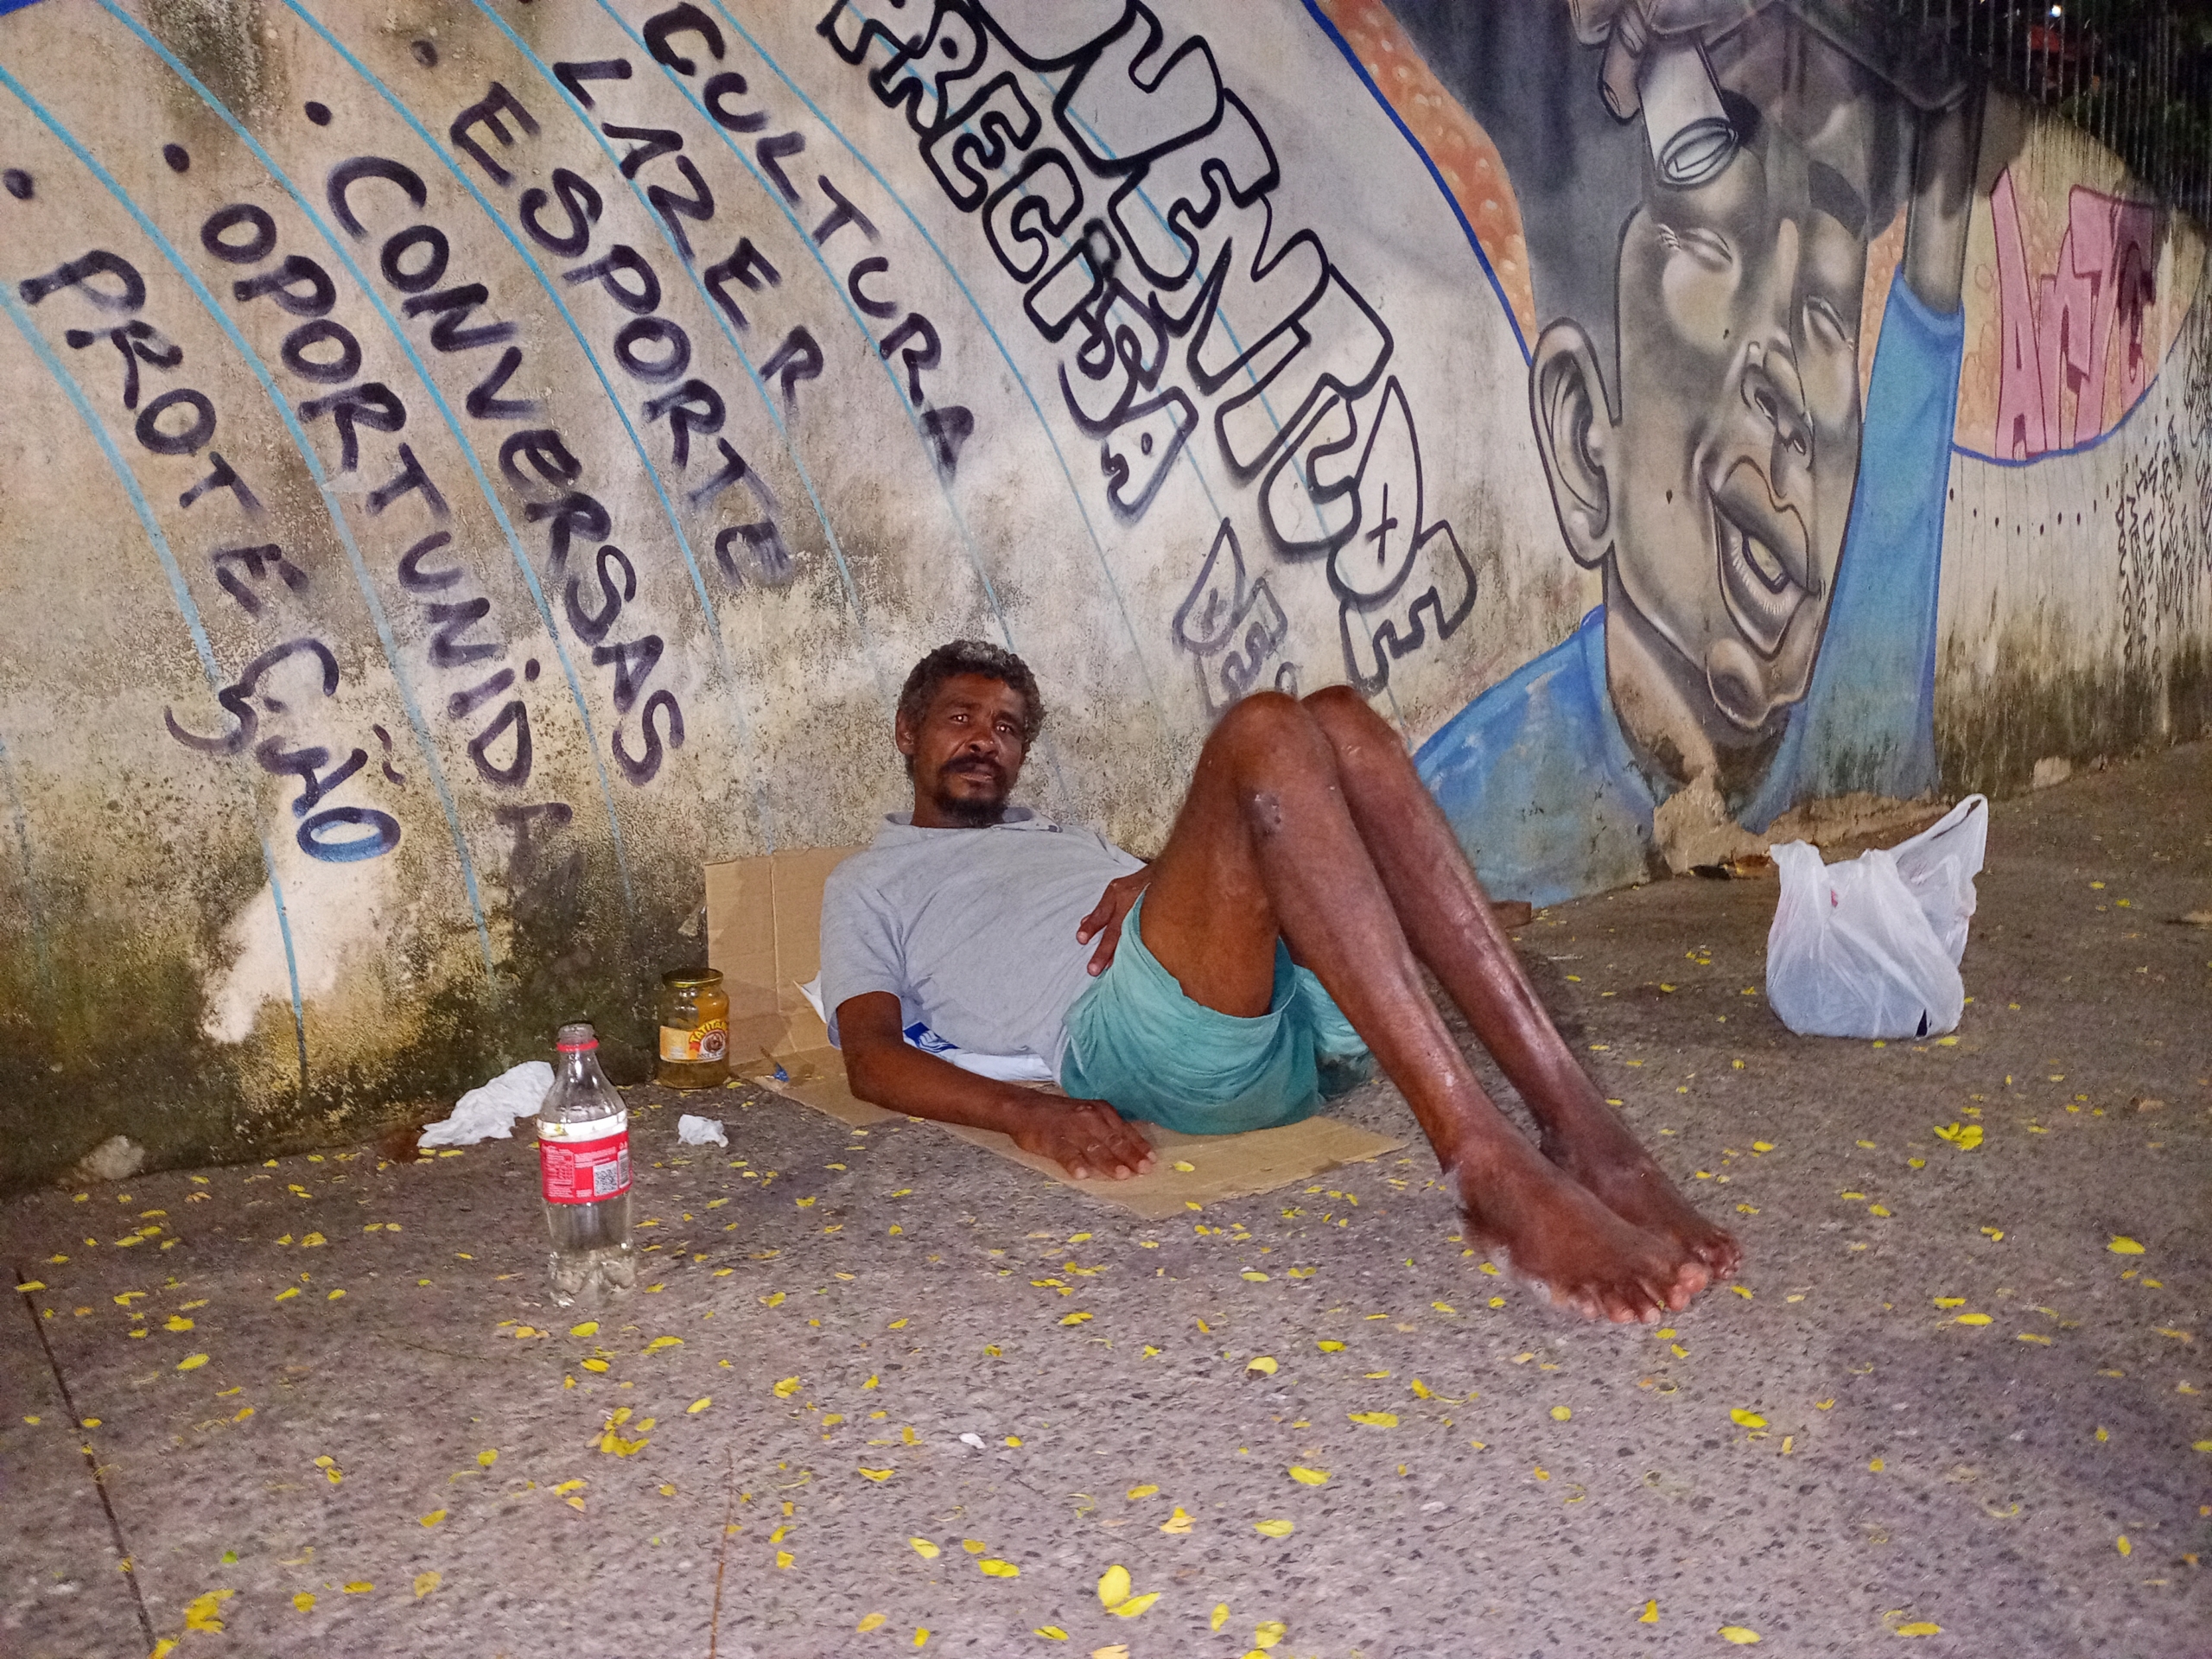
(1537, 776)
(1868, 720)
(1538, 779)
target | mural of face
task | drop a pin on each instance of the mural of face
(1716, 498)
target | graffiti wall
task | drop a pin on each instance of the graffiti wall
(468, 464)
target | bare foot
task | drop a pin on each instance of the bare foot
(1605, 1157)
(1546, 1229)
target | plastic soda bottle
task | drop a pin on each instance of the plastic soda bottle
(583, 1162)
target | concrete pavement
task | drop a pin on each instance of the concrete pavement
(324, 1407)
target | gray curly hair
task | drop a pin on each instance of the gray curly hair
(972, 657)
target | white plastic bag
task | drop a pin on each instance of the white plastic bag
(702, 1132)
(1871, 947)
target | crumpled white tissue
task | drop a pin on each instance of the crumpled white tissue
(701, 1131)
(489, 1112)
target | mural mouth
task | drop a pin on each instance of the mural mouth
(1757, 572)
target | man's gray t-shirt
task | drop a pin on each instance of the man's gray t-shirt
(973, 931)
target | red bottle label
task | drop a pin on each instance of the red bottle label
(586, 1162)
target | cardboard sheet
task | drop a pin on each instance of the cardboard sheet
(1222, 1165)
(764, 931)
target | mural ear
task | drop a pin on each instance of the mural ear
(1566, 402)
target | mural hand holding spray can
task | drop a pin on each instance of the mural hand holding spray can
(583, 1161)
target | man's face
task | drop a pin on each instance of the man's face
(1738, 445)
(965, 752)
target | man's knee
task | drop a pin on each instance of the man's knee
(1347, 721)
(1270, 722)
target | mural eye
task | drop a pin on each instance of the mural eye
(1826, 325)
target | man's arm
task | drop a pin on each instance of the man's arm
(1086, 1137)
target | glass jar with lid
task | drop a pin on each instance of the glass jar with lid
(694, 1029)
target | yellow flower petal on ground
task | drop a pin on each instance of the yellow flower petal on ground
(1185, 1168)
(1560, 1413)
(774, 1298)
(1275, 1529)
(2124, 1246)
(1306, 1477)
(426, 1582)
(1443, 1307)
(1742, 1634)
(787, 1388)
(1142, 1491)
(1950, 1301)
(2121, 1544)
(1264, 1365)
(1074, 1318)
(991, 1568)
(192, 1362)
(659, 1342)
(199, 1614)
(567, 1486)
(487, 1457)
(924, 1549)
(1114, 1586)
(434, 1517)
(783, 1559)
(921, 1632)
(871, 1622)
(2200, 1446)
(1013, 1440)
(1874, 1465)
(1421, 1390)
(177, 1322)
(594, 1364)
(1920, 1627)
(360, 1587)
(699, 1405)
(1744, 1419)
(1254, 1276)
(1269, 1634)
(879, 1476)
(588, 1328)
(1134, 1605)
(304, 1601)
(1051, 1632)
(1178, 1525)
(1220, 1614)
(1971, 1319)
(1374, 1419)
(1329, 1347)
(1651, 1613)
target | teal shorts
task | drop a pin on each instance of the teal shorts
(1137, 1042)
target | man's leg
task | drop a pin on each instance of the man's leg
(1266, 845)
(1448, 922)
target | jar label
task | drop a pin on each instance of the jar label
(710, 1043)
(584, 1162)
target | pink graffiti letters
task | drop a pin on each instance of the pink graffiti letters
(2061, 331)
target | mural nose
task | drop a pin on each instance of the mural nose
(1776, 395)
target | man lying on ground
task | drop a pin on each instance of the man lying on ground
(1308, 872)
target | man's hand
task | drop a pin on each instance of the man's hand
(1105, 922)
(1085, 1137)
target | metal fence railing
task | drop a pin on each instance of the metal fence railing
(2135, 74)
